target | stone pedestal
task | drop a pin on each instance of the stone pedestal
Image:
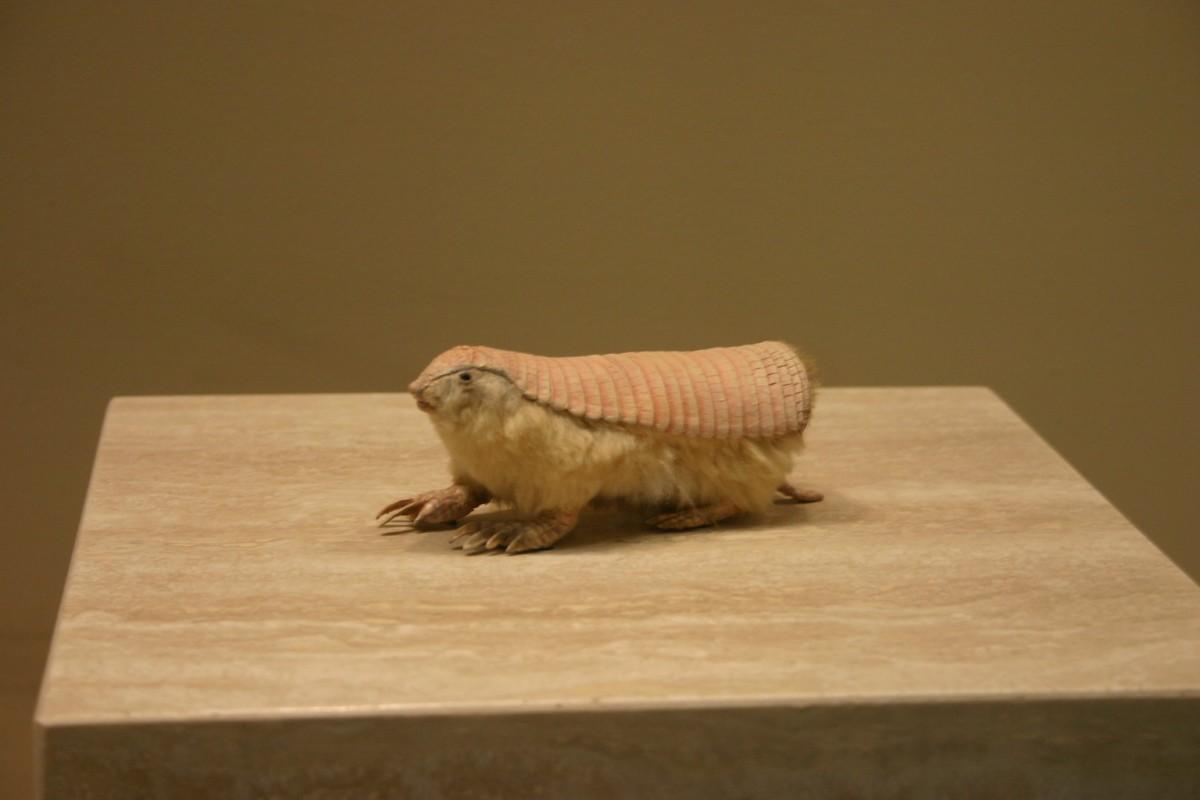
(962, 616)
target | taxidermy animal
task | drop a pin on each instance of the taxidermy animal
(697, 436)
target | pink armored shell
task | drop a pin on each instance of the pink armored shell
(759, 391)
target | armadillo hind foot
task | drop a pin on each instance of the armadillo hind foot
(798, 494)
(693, 517)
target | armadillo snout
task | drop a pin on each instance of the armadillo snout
(419, 393)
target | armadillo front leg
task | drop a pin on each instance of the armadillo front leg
(439, 505)
(517, 535)
(694, 517)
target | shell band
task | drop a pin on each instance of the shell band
(760, 391)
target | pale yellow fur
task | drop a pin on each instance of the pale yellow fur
(538, 459)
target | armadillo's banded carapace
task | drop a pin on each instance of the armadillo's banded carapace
(760, 391)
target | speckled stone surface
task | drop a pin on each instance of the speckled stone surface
(962, 616)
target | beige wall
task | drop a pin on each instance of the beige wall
(272, 199)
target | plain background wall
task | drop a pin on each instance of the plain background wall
(204, 198)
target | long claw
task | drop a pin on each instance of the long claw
(400, 510)
(405, 510)
(476, 543)
(476, 540)
(465, 530)
(409, 508)
(519, 545)
(393, 506)
(502, 534)
(387, 521)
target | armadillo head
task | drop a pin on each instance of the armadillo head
(457, 381)
(453, 360)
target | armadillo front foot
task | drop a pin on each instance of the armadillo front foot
(693, 517)
(436, 506)
(514, 536)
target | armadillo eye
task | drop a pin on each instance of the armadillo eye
(464, 376)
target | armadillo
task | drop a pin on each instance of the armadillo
(698, 436)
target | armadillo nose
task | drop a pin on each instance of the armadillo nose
(418, 393)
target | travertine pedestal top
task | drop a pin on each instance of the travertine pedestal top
(963, 614)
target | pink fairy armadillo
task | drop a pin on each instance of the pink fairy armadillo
(707, 434)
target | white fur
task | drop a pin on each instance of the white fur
(539, 459)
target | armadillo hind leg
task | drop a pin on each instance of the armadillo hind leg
(693, 517)
(515, 536)
(799, 495)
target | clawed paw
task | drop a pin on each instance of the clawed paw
(692, 517)
(800, 495)
(432, 507)
(511, 536)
